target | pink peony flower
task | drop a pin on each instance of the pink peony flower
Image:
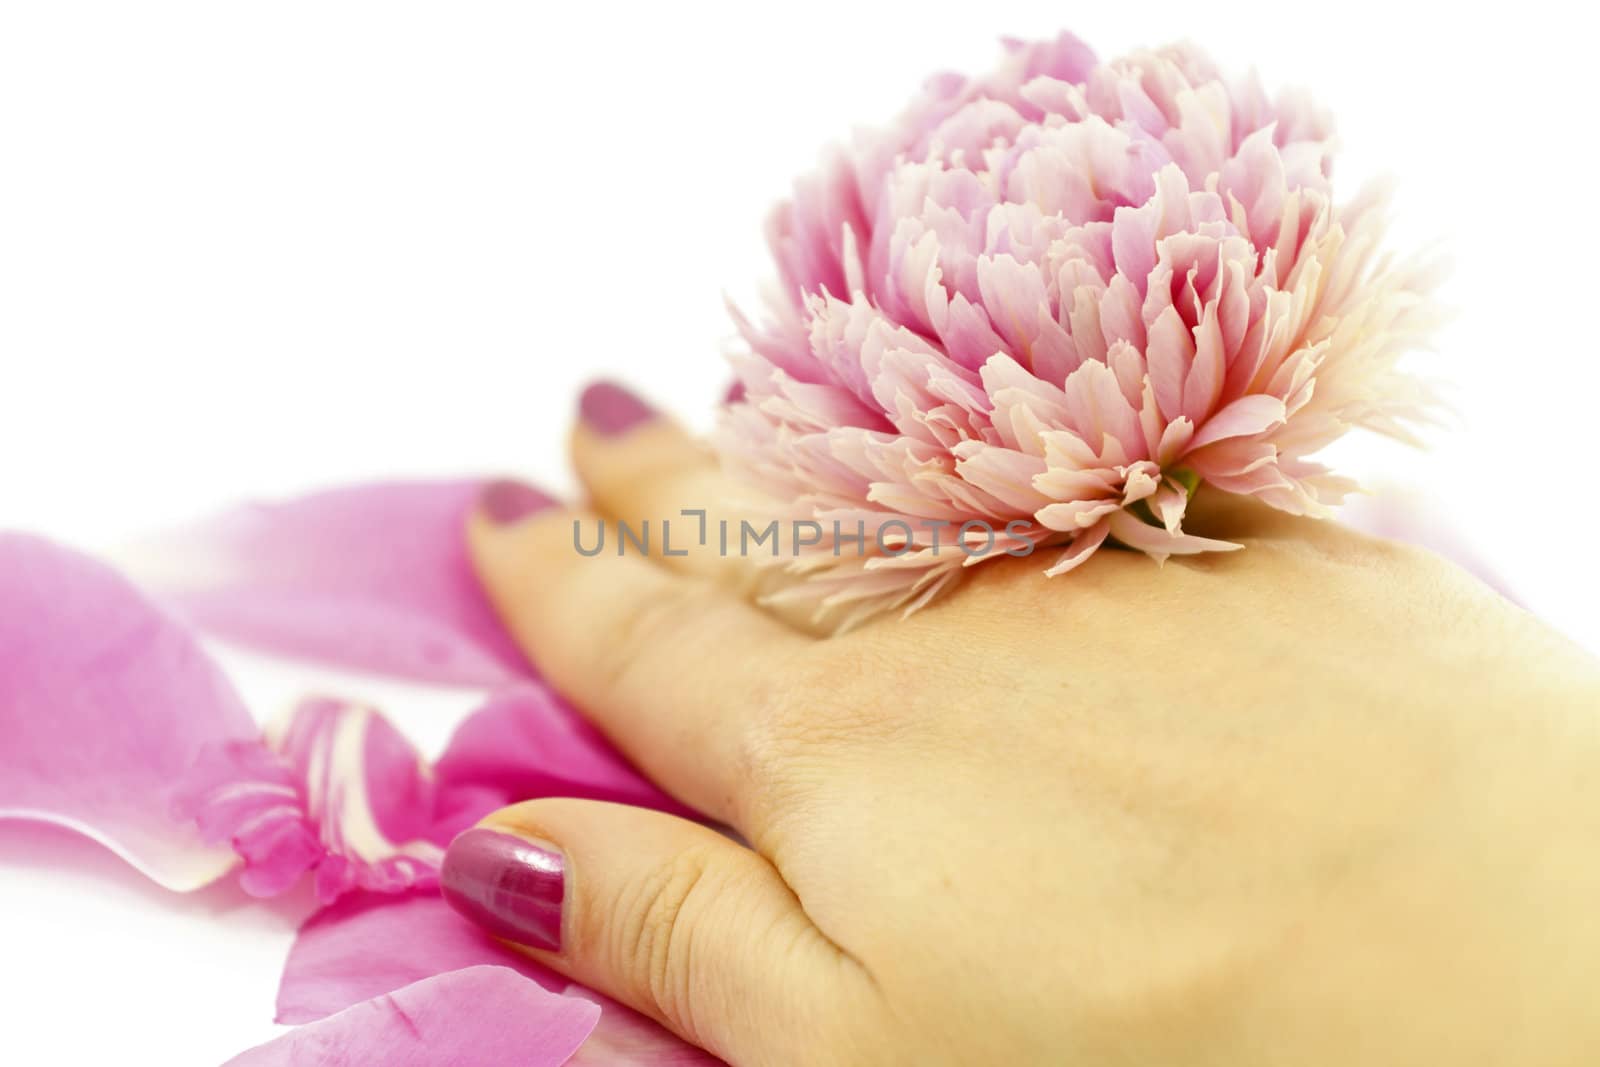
(1051, 302)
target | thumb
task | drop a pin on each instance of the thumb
(663, 914)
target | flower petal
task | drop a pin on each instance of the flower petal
(528, 742)
(1245, 417)
(624, 1038)
(105, 703)
(368, 945)
(1159, 543)
(243, 795)
(367, 791)
(372, 577)
(334, 789)
(486, 1016)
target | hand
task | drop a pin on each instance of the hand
(1326, 800)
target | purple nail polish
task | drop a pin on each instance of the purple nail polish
(505, 502)
(508, 885)
(610, 410)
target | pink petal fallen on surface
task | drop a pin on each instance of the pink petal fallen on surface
(105, 704)
(243, 796)
(368, 945)
(477, 1017)
(528, 742)
(334, 789)
(623, 1037)
(367, 791)
(371, 577)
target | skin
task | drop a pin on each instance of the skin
(1326, 800)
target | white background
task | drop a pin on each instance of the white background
(247, 249)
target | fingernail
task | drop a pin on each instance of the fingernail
(508, 885)
(610, 410)
(505, 502)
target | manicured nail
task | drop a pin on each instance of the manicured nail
(508, 885)
(610, 410)
(505, 502)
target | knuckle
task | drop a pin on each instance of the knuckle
(761, 749)
(654, 941)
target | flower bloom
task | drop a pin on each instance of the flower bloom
(1050, 303)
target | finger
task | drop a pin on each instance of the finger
(639, 466)
(642, 468)
(665, 915)
(671, 668)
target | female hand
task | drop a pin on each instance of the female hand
(1326, 800)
